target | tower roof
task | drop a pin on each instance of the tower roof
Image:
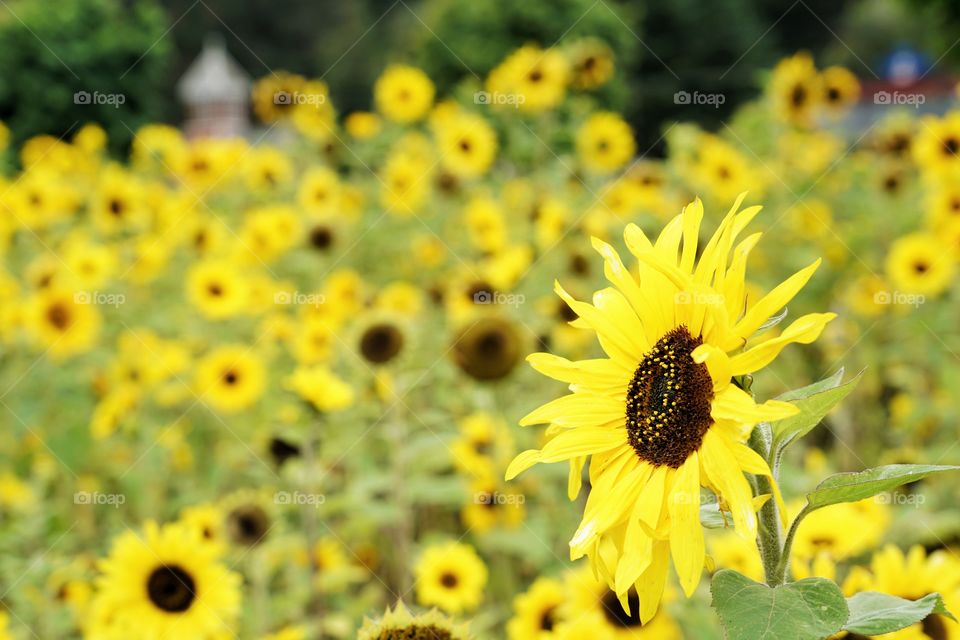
(214, 76)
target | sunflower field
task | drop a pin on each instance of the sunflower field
(319, 383)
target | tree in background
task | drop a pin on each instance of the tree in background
(80, 61)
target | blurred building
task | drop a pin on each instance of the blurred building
(215, 93)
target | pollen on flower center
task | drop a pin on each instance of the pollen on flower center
(668, 401)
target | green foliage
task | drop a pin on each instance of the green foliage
(815, 401)
(809, 609)
(112, 50)
(851, 487)
(873, 614)
(468, 37)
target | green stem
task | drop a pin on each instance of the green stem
(770, 531)
(783, 567)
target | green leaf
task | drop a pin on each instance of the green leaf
(873, 614)
(817, 387)
(814, 401)
(712, 518)
(851, 487)
(809, 609)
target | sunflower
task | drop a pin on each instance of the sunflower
(612, 617)
(230, 378)
(399, 624)
(217, 289)
(943, 205)
(936, 146)
(166, 584)
(534, 79)
(467, 144)
(841, 89)
(487, 349)
(319, 191)
(665, 413)
(920, 263)
(796, 89)
(403, 93)
(605, 142)
(722, 170)
(491, 505)
(451, 577)
(248, 518)
(536, 611)
(591, 62)
(272, 95)
(63, 322)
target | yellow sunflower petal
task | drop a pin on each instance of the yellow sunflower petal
(770, 304)
(686, 535)
(804, 330)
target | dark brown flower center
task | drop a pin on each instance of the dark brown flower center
(59, 316)
(248, 524)
(669, 400)
(449, 580)
(381, 343)
(171, 588)
(321, 237)
(488, 349)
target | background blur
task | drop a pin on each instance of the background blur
(139, 48)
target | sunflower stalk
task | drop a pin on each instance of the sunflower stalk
(310, 525)
(770, 531)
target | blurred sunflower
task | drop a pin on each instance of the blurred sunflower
(63, 322)
(796, 89)
(841, 90)
(536, 612)
(217, 289)
(936, 147)
(403, 93)
(920, 263)
(604, 142)
(166, 583)
(664, 413)
(591, 62)
(450, 576)
(273, 95)
(531, 79)
(467, 144)
(230, 378)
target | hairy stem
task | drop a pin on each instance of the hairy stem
(770, 531)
